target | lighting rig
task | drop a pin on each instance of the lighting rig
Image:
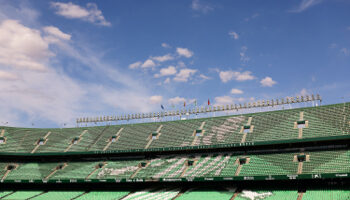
(202, 109)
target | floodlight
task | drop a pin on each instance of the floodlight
(318, 97)
(277, 102)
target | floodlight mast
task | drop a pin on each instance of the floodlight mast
(206, 109)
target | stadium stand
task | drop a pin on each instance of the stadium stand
(183, 166)
(103, 195)
(322, 121)
(201, 193)
(57, 195)
(22, 195)
(285, 154)
(270, 195)
(327, 194)
(168, 193)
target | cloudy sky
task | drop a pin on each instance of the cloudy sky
(60, 60)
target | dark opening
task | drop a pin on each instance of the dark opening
(113, 138)
(100, 165)
(242, 161)
(301, 158)
(301, 122)
(246, 129)
(143, 164)
(75, 140)
(190, 162)
(41, 141)
(60, 166)
(11, 167)
(154, 134)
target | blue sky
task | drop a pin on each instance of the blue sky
(60, 60)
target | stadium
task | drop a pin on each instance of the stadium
(295, 153)
(174, 100)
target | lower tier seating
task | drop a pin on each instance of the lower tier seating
(168, 193)
(185, 166)
(268, 195)
(326, 194)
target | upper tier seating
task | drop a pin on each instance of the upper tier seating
(58, 195)
(19, 195)
(321, 121)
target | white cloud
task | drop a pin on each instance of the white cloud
(181, 64)
(163, 58)
(171, 70)
(91, 13)
(128, 95)
(333, 45)
(167, 80)
(345, 51)
(56, 32)
(200, 79)
(34, 86)
(135, 65)
(148, 63)
(165, 45)
(184, 75)
(226, 76)
(4, 75)
(126, 100)
(241, 99)
(243, 55)
(233, 34)
(156, 99)
(22, 47)
(176, 100)
(27, 83)
(313, 78)
(204, 77)
(184, 52)
(267, 82)
(21, 11)
(303, 92)
(223, 100)
(236, 91)
(305, 4)
(201, 7)
(255, 15)
(70, 10)
(55, 35)
(45, 96)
